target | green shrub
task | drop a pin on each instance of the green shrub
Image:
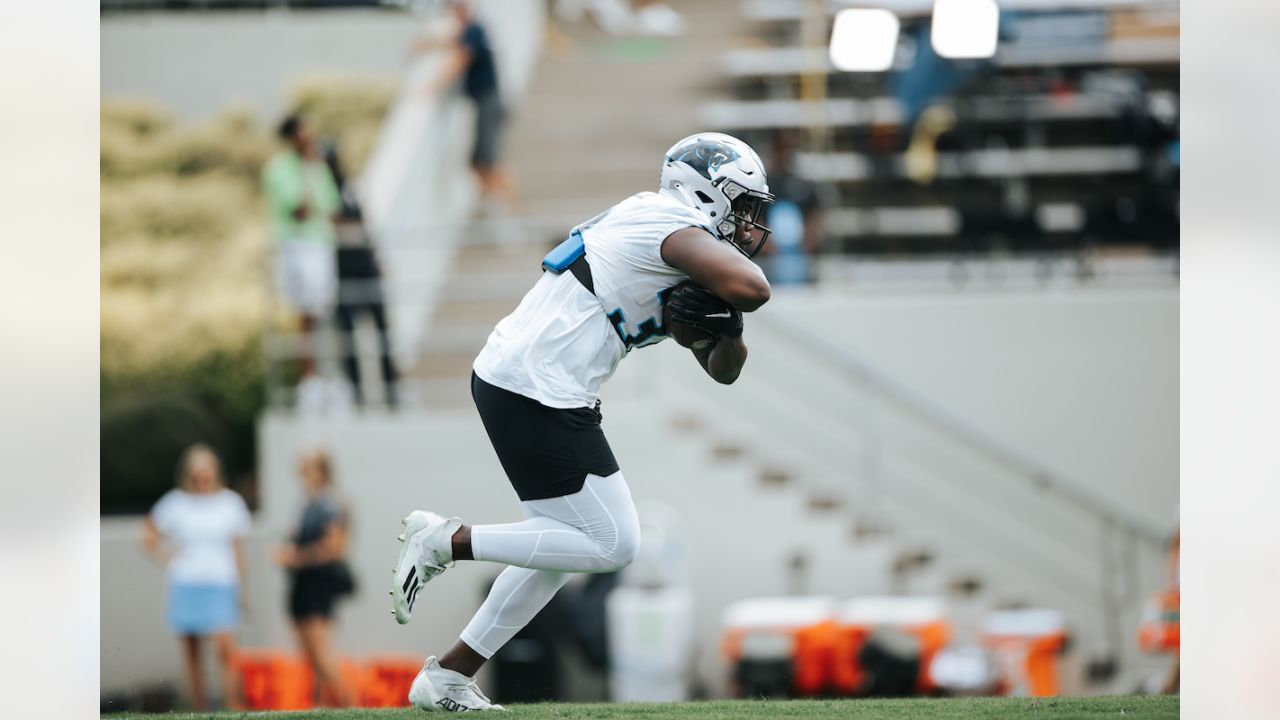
(149, 418)
(136, 118)
(201, 208)
(136, 144)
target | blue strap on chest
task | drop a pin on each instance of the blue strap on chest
(571, 255)
(565, 254)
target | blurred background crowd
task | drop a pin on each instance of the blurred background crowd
(961, 403)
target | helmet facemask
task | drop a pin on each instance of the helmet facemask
(743, 221)
(724, 180)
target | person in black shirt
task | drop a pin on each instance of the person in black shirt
(319, 576)
(359, 285)
(471, 59)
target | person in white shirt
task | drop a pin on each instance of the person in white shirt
(195, 532)
(623, 280)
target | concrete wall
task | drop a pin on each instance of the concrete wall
(1086, 380)
(200, 64)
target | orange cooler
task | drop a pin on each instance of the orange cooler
(273, 680)
(799, 631)
(1160, 629)
(1028, 645)
(386, 680)
(925, 618)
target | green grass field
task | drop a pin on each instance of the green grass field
(1129, 708)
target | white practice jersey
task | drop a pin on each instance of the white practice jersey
(562, 342)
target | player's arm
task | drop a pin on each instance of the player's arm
(717, 267)
(723, 352)
(723, 360)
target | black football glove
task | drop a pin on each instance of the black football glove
(697, 307)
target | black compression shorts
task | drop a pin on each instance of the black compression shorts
(546, 452)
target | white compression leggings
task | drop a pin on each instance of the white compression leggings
(592, 530)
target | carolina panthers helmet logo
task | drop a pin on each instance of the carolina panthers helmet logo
(705, 156)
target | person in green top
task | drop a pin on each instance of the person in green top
(303, 200)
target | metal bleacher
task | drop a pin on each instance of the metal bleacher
(1077, 111)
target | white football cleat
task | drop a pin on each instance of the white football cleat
(441, 690)
(426, 550)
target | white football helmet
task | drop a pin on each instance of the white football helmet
(724, 179)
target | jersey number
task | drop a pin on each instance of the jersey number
(651, 330)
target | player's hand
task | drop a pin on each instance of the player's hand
(697, 307)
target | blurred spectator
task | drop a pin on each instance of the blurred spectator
(359, 284)
(318, 574)
(303, 199)
(471, 58)
(795, 217)
(196, 533)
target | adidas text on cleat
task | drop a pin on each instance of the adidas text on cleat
(441, 690)
(425, 551)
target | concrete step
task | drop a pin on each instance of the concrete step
(601, 110)
(471, 313)
(433, 365)
(458, 338)
(486, 259)
(445, 393)
(488, 286)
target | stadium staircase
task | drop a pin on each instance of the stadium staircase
(936, 505)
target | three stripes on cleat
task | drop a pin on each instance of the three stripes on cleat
(411, 580)
(413, 575)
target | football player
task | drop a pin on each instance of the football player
(685, 249)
